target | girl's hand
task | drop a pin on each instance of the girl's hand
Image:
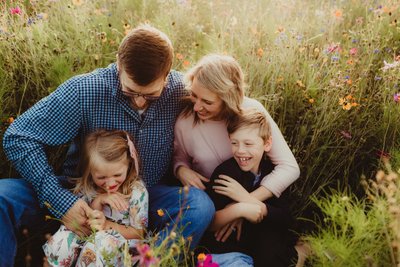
(97, 220)
(231, 188)
(116, 201)
(189, 177)
(232, 227)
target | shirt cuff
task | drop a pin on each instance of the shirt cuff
(59, 200)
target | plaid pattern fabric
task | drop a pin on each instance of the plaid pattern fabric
(83, 104)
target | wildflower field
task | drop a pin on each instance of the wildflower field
(327, 71)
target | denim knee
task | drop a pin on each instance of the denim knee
(202, 207)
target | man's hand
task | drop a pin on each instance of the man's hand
(231, 188)
(76, 218)
(189, 177)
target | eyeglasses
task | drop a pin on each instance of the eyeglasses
(135, 95)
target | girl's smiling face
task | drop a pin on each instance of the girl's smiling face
(109, 176)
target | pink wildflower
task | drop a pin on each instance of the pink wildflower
(353, 51)
(346, 134)
(146, 255)
(396, 97)
(334, 48)
(382, 154)
(15, 10)
(205, 261)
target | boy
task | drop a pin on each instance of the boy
(264, 233)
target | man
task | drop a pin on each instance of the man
(138, 94)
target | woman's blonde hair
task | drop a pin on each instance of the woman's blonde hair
(223, 76)
(110, 146)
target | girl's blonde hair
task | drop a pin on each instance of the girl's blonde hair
(223, 76)
(110, 146)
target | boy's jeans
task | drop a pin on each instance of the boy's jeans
(19, 206)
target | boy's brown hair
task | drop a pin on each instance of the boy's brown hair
(251, 118)
(145, 54)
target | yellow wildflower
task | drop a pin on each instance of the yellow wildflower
(201, 257)
(260, 52)
(160, 212)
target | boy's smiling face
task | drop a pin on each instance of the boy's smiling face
(248, 148)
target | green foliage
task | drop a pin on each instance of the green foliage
(359, 232)
(351, 234)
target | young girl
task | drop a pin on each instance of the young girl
(111, 186)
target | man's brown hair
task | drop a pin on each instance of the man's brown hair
(145, 54)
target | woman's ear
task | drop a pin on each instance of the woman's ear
(268, 144)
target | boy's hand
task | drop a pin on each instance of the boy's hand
(233, 227)
(189, 177)
(116, 201)
(231, 188)
(97, 220)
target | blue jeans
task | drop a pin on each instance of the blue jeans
(19, 206)
(232, 259)
(192, 212)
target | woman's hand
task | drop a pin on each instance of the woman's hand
(189, 177)
(231, 188)
(116, 201)
(224, 233)
(97, 220)
(252, 212)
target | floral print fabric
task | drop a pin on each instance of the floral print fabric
(102, 248)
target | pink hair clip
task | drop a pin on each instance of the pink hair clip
(134, 154)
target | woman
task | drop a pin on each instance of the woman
(216, 85)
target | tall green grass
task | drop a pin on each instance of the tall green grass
(360, 232)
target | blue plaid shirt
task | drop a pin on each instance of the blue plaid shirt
(80, 105)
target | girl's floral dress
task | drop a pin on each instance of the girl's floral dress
(103, 248)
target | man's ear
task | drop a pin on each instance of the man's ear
(117, 62)
(268, 144)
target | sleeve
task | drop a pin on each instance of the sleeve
(220, 201)
(54, 120)
(180, 156)
(286, 169)
(278, 212)
(139, 207)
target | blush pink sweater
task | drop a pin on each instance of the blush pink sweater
(206, 145)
